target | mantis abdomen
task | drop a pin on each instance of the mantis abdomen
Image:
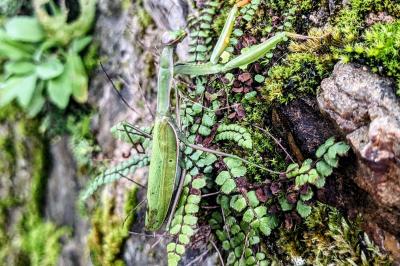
(162, 173)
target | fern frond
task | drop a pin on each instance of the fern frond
(184, 223)
(200, 32)
(110, 175)
(235, 133)
(125, 132)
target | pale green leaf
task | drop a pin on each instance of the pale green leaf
(24, 28)
(308, 195)
(240, 204)
(302, 209)
(324, 169)
(50, 69)
(228, 186)
(285, 205)
(25, 88)
(19, 67)
(324, 147)
(232, 162)
(252, 198)
(248, 215)
(238, 171)
(199, 183)
(222, 177)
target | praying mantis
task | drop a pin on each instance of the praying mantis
(164, 167)
(165, 150)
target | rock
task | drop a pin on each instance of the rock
(61, 197)
(364, 108)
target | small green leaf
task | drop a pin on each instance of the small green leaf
(260, 211)
(26, 87)
(305, 167)
(301, 180)
(251, 260)
(250, 95)
(19, 67)
(285, 205)
(175, 229)
(324, 147)
(254, 240)
(324, 169)
(292, 167)
(228, 186)
(24, 28)
(222, 177)
(226, 246)
(210, 159)
(190, 219)
(302, 209)
(78, 45)
(78, 77)
(260, 256)
(183, 239)
(173, 259)
(191, 208)
(320, 182)
(60, 89)
(199, 183)
(308, 195)
(259, 78)
(194, 199)
(252, 198)
(238, 171)
(232, 162)
(187, 230)
(334, 162)
(248, 215)
(265, 229)
(312, 176)
(171, 247)
(180, 249)
(240, 204)
(50, 69)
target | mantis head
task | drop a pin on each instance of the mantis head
(173, 37)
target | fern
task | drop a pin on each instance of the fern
(200, 34)
(235, 133)
(183, 226)
(125, 132)
(110, 175)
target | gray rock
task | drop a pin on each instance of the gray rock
(61, 200)
(364, 107)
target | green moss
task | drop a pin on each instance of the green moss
(109, 231)
(326, 237)
(29, 240)
(41, 241)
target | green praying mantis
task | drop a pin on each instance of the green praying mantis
(164, 167)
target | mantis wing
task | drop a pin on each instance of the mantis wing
(162, 173)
